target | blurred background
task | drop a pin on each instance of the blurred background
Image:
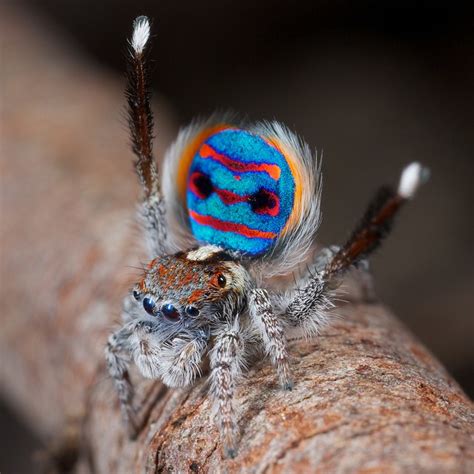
(373, 85)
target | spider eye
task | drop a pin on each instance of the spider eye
(149, 306)
(136, 294)
(192, 311)
(221, 280)
(170, 312)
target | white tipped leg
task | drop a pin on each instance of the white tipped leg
(141, 33)
(413, 176)
(271, 331)
(140, 119)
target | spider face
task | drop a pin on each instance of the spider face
(191, 285)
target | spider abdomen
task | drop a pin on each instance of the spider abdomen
(240, 191)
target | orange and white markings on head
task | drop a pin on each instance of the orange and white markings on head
(194, 278)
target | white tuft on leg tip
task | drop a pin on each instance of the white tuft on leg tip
(141, 33)
(413, 176)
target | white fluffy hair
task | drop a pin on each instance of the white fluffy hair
(294, 246)
(141, 34)
(181, 236)
(413, 176)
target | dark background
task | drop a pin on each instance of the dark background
(373, 84)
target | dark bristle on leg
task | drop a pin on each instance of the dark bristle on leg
(377, 220)
(140, 119)
(140, 116)
(368, 235)
(373, 227)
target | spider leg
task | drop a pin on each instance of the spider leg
(311, 302)
(365, 278)
(323, 257)
(226, 362)
(272, 333)
(140, 120)
(117, 356)
(181, 358)
(135, 340)
(377, 221)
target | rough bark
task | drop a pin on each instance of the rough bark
(368, 397)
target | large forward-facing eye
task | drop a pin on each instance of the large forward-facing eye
(170, 312)
(149, 306)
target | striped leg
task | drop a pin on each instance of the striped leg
(226, 362)
(271, 331)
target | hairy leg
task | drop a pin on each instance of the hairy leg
(272, 333)
(377, 221)
(309, 303)
(117, 356)
(181, 358)
(226, 361)
(152, 216)
(140, 119)
(135, 340)
(365, 279)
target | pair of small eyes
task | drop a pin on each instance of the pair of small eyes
(168, 310)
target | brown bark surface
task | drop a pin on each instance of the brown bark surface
(368, 397)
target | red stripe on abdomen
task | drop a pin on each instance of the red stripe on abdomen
(224, 226)
(207, 151)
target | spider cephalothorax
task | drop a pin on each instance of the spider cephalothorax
(246, 200)
(189, 284)
(186, 297)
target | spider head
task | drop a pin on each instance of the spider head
(197, 285)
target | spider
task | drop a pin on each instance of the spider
(234, 206)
